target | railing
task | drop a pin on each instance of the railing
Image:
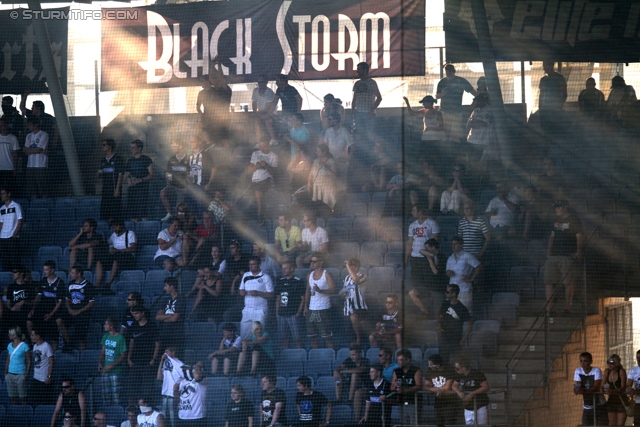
(536, 325)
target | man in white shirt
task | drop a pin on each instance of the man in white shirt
(35, 147)
(462, 269)
(170, 244)
(10, 226)
(262, 166)
(341, 145)
(9, 149)
(314, 239)
(587, 381)
(122, 248)
(500, 211)
(256, 288)
(317, 302)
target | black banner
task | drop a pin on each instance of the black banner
(305, 39)
(568, 31)
(21, 66)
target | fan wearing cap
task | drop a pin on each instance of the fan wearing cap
(564, 250)
(433, 129)
(482, 134)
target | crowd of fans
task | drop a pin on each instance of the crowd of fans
(261, 300)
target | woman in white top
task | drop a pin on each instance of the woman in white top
(433, 129)
(322, 182)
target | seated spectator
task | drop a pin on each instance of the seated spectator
(228, 351)
(100, 420)
(261, 97)
(122, 249)
(150, 417)
(381, 171)
(134, 299)
(433, 129)
(330, 106)
(323, 182)
(299, 136)
(208, 287)
(86, 246)
(132, 416)
(219, 206)
(288, 239)
(427, 184)
(240, 410)
(353, 371)
(298, 168)
(341, 146)
(273, 403)
(458, 192)
(170, 244)
(79, 302)
(309, 403)
(474, 231)
(591, 100)
(112, 358)
(500, 211)
(533, 216)
(21, 295)
(314, 239)
(378, 389)
(176, 178)
(170, 372)
(18, 367)
(355, 306)
(403, 181)
(204, 236)
(71, 403)
(69, 420)
(482, 134)
(434, 279)
(260, 347)
(263, 167)
(289, 291)
(389, 329)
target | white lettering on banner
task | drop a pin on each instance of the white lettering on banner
(282, 37)
(243, 53)
(29, 41)
(300, 20)
(326, 42)
(568, 20)
(345, 23)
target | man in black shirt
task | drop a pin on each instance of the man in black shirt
(20, 297)
(86, 245)
(439, 380)
(176, 177)
(309, 404)
(273, 403)
(377, 391)
(202, 172)
(111, 173)
(48, 302)
(236, 265)
(289, 292)
(172, 317)
(79, 302)
(434, 276)
(451, 318)
(407, 381)
(354, 371)
(142, 351)
(472, 386)
(139, 172)
(563, 254)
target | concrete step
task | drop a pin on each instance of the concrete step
(499, 380)
(498, 364)
(508, 336)
(558, 323)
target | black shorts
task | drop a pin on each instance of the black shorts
(125, 260)
(80, 323)
(262, 186)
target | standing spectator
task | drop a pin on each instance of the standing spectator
(111, 173)
(385, 357)
(70, 401)
(133, 299)
(433, 124)
(86, 246)
(474, 231)
(263, 167)
(288, 239)
(621, 97)
(202, 172)
(12, 116)
(229, 350)
(588, 381)
(261, 97)
(323, 181)
(259, 345)
(122, 249)
(256, 288)
(291, 99)
(564, 251)
(460, 190)
(439, 380)
(170, 372)
(112, 357)
(132, 412)
(17, 367)
(273, 403)
(309, 403)
(314, 239)
(406, 382)
(633, 387)
(207, 235)
(192, 410)
(500, 212)
(236, 265)
(462, 270)
(553, 89)
(551, 184)
(472, 387)
(139, 172)
(533, 216)
(591, 100)
(614, 381)
(143, 353)
(35, 147)
(79, 302)
(353, 371)
(389, 328)
(240, 410)
(317, 302)
(482, 133)
(176, 177)
(10, 226)
(355, 306)
(149, 417)
(330, 105)
(20, 298)
(9, 150)
(375, 413)
(208, 289)
(434, 277)
(341, 145)
(299, 136)
(41, 389)
(421, 230)
(289, 291)
(215, 120)
(171, 317)
(170, 244)
(450, 91)
(451, 319)
(366, 98)
(50, 294)
(298, 168)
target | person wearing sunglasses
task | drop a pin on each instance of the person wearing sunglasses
(69, 420)
(100, 420)
(71, 401)
(613, 385)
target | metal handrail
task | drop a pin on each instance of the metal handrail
(536, 324)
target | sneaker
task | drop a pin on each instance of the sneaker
(166, 218)
(274, 142)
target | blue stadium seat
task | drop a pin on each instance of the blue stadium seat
(107, 307)
(124, 288)
(115, 414)
(290, 368)
(364, 229)
(154, 284)
(145, 257)
(42, 415)
(326, 385)
(187, 278)
(65, 364)
(293, 354)
(201, 335)
(132, 276)
(317, 368)
(42, 204)
(93, 201)
(66, 214)
(342, 354)
(41, 215)
(344, 222)
(372, 355)
(87, 367)
(18, 416)
(64, 233)
(342, 415)
(327, 354)
(6, 278)
(49, 251)
(147, 232)
(510, 298)
(94, 336)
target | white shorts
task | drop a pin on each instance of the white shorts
(483, 416)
